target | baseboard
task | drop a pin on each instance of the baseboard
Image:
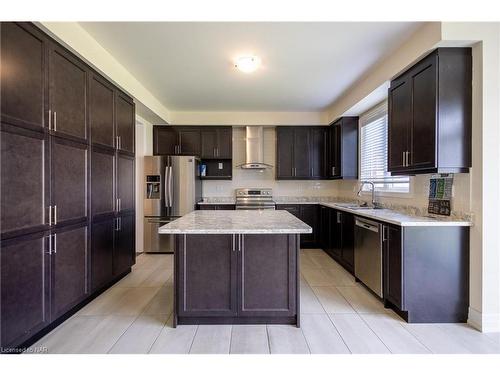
(484, 322)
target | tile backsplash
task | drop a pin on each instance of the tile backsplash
(416, 200)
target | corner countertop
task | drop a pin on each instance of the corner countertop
(397, 218)
(236, 222)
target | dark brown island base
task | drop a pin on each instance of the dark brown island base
(236, 267)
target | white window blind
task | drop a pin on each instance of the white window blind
(373, 166)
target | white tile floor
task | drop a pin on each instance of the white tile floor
(338, 316)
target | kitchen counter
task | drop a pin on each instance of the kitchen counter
(236, 267)
(236, 222)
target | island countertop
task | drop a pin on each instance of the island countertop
(236, 222)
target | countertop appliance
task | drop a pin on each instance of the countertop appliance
(255, 199)
(368, 254)
(172, 189)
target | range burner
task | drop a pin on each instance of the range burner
(255, 199)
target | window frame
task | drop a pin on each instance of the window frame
(379, 191)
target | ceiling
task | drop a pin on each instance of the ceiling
(189, 66)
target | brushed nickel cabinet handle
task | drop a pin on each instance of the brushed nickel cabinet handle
(50, 119)
(50, 215)
(55, 214)
(55, 121)
(55, 243)
(404, 164)
(50, 245)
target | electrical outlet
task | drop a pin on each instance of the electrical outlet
(220, 166)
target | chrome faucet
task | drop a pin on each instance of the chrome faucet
(363, 183)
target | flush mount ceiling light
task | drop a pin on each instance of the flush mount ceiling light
(247, 64)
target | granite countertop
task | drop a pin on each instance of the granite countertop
(385, 215)
(236, 222)
(397, 218)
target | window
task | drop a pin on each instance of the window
(373, 165)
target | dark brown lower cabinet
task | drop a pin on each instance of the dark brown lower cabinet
(426, 273)
(216, 207)
(69, 263)
(236, 278)
(207, 276)
(102, 252)
(25, 307)
(308, 213)
(267, 277)
(124, 245)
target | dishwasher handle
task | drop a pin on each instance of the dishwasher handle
(366, 224)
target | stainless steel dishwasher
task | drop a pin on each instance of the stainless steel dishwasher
(368, 254)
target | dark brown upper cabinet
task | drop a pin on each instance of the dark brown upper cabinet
(217, 142)
(430, 115)
(24, 181)
(306, 152)
(23, 75)
(69, 187)
(101, 112)
(67, 93)
(178, 140)
(342, 149)
(125, 122)
(293, 153)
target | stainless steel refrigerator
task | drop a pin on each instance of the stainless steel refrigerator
(172, 187)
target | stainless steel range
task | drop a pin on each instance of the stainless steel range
(255, 199)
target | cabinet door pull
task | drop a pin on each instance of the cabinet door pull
(242, 243)
(50, 245)
(233, 243)
(55, 214)
(55, 121)
(50, 119)
(50, 215)
(384, 233)
(339, 217)
(404, 164)
(55, 243)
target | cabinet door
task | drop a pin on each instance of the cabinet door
(318, 153)
(335, 150)
(225, 143)
(423, 114)
(301, 154)
(67, 93)
(101, 112)
(336, 235)
(125, 182)
(284, 162)
(24, 183)
(206, 207)
(189, 141)
(164, 140)
(393, 272)
(125, 122)
(24, 284)
(102, 252)
(124, 249)
(102, 182)
(309, 215)
(207, 279)
(22, 75)
(209, 144)
(324, 228)
(69, 269)
(398, 120)
(69, 179)
(268, 274)
(347, 236)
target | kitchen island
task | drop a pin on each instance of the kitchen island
(236, 267)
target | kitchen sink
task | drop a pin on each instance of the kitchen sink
(356, 206)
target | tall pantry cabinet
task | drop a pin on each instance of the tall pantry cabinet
(55, 127)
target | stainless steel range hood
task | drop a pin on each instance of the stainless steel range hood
(255, 149)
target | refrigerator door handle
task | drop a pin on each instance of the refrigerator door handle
(166, 187)
(170, 182)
